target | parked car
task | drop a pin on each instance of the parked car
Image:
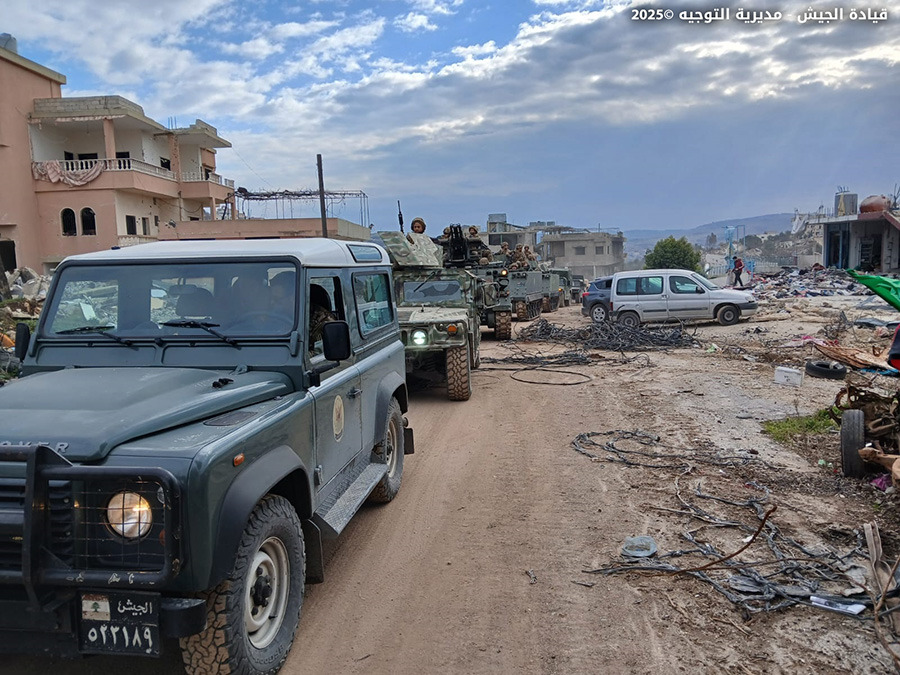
(192, 420)
(595, 300)
(659, 295)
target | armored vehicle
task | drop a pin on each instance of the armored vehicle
(565, 285)
(192, 419)
(492, 285)
(551, 291)
(436, 305)
(525, 293)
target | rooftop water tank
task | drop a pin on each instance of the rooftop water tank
(845, 203)
(875, 204)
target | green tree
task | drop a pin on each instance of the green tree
(672, 253)
(753, 241)
(711, 241)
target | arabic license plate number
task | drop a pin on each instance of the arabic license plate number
(120, 623)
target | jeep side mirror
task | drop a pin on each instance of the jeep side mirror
(336, 340)
(23, 337)
(699, 290)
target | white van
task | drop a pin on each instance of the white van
(662, 295)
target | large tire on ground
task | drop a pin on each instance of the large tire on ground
(391, 451)
(459, 375)
(503, 326)
(728, 315)
(629, 319)
(522, 311)
(830, 370)
(252, 615)
(599, 313)
(853, 438)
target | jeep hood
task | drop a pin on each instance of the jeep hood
(428, 314)
(87, 412)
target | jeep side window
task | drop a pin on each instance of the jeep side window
(651, 285)
(373, 301)
(627, 286)
(325, 304)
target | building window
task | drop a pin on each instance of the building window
(598, 250)
(68, 223)
(88, 221)
(557, 249)
(165, 163)
(130, 225)
(145, 226)
(580, 250)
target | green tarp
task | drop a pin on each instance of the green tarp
(884, 287)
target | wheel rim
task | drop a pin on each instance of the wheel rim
(629, 321)
(390, 457)
(266, 594)
(598, 313)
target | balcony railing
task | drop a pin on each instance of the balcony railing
(133, 239)
(203, 177)
(118, 164)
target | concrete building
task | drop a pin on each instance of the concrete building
(82, 174)
(862, 236)
(590, 254)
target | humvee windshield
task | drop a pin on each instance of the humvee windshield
(430, 291)
(157, 299)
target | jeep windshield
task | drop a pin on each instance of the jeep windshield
(215, 300)
(430, 291)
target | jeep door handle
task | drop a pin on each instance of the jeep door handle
(353, 393)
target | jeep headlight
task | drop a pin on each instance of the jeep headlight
(129, 515)
(419, 337)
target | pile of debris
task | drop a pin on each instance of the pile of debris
(805, 284)
(612, 336)
(25, 283)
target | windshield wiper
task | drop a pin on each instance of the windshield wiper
(205, 325)
(98, 330)
(427, 279)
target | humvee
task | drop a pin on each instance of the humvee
(439, 316)
(193, 418)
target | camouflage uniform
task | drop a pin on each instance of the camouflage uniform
(529, 255)
(519, 255)
(318, 317)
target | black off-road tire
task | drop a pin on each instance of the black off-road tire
(391, 451)
(599, 313)
(522, 311)
(728, 315)
(270, 548)
(830, 370)
(503, 326)
(853, 437)
(629, 319)
(459, 375)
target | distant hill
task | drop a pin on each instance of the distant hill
(638, 241)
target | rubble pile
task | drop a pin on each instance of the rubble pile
(25, 283)
(805, 283)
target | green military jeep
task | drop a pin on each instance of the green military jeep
(192, 419)
(438, 311)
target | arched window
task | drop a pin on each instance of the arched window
(88, 221)
(68, 223)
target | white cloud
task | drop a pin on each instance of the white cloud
(445, 7)
(257, 48)
(473, 51)
(413, 23)
(284, 31)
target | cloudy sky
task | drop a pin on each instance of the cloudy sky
(575, 111)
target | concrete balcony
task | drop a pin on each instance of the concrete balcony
(103, 174)
(205, 186)
(134, 239)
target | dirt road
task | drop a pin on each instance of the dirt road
(479, 564)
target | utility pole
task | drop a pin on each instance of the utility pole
(322, 197)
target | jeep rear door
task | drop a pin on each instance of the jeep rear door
(687, 298)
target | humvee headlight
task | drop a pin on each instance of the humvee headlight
(419, 337)
(129, 515)
(452, 329)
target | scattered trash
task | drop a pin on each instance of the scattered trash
(882, 481)
(641, 546)
(843, 607)
(788, 376)
(830, 370)
(611, 336)
(531, 576)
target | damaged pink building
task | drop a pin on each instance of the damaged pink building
(80, 174)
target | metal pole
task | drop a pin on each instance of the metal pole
(322, 197)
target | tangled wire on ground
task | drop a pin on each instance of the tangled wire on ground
(799, 572)
(666, 457)
(571, 357)
(611, 336)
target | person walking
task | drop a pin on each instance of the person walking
(738, 269)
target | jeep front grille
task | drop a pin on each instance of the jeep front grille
(60, 523)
